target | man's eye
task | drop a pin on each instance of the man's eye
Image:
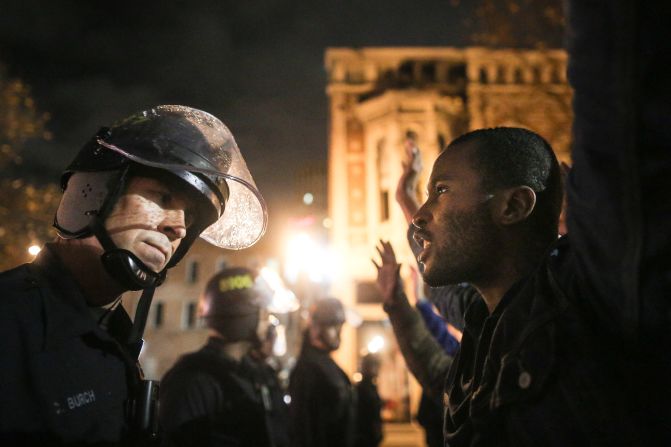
(440, 189)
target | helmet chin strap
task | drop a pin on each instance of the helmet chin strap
(127, 269)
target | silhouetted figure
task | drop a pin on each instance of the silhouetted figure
(369, 405)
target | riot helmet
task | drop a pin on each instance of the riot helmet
(327, 316)
(232, 303)
(327, 312)
(180, 146)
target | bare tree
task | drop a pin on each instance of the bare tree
(516, 23)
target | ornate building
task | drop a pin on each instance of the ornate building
(377, 97)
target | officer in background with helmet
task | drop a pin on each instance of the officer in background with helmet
(323, 405)
(212, 397)
(135, 198)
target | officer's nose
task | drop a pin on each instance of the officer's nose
(173, 224)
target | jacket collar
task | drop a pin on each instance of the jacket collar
(66, 313)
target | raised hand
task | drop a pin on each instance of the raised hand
(388, 278)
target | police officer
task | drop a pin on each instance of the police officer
(212, 397)
(135, 198)
(369, 405)
(322, 408)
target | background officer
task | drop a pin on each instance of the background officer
(322, 409)
(213, 397)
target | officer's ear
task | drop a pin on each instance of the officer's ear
(513, 205)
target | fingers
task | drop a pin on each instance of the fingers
(387, 256)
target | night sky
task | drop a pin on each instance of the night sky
(257, 65)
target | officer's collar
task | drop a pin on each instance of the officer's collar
(66, 313)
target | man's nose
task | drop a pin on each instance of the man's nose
(419, 220)
(173, 224)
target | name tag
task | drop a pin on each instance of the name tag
(81, 399)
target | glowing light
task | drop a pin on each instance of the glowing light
(34, 250)
(327, 222)
(287, 399)
(376, 344)
(305, 256)
(308, 198)
(283, 300)
(280, 346)
(357, 377)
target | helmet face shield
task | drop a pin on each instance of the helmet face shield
(185, 140)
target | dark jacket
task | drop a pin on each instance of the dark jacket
(63, 379)
(369, 419)
(538, 372)
(209, 399)
(322, 408)
(277, 411)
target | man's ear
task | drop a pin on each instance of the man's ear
(513, 205)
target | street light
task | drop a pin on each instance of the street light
(34, 250)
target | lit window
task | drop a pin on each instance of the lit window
(384, 206)
(189, 317)
(159, 311)
(192, 271)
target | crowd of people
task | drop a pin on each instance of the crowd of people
(521, 337)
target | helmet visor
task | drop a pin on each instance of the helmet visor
(199, 143)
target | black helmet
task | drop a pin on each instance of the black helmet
(231, 302)
(178, 144)
(327, 311)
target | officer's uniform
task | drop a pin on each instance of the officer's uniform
(63, 379)
(209, 399)
(277, 411)
(323, 403)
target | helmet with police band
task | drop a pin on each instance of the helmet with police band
(180, 146)
(233, 301)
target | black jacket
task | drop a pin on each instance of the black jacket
(209, 399)
(369, 418)
(63, 379)
(322, 408)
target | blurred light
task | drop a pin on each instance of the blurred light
(287, 399)
(283, 300)
(357, 377)
(308, 198)
(280, 346)
(34, 250)
(327, 222)
(353, 317)
(376, 344)
(305, 256)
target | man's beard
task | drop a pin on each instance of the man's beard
(467, 250)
